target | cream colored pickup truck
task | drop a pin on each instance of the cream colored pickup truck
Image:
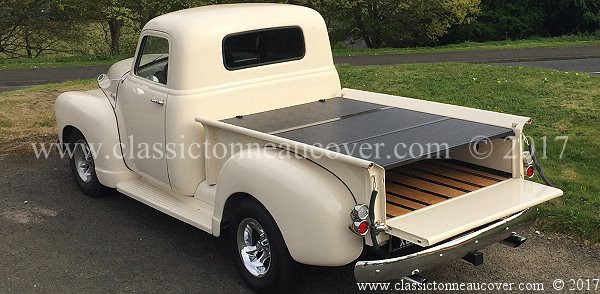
(233, 116)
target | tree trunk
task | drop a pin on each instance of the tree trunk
(357, 14)
(375, 17)
(28, 44)
(115, 26)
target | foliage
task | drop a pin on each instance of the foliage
(32, 27)
(394, 23)
(518, 19)
(570, 16)
(500, 20)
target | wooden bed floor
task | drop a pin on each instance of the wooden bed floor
(420, 184)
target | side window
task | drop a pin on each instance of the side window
(153, 60)
(268, 46)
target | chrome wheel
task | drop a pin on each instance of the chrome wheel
(84, 163)
(254, 248)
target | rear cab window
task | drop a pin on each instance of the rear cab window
(263, 47)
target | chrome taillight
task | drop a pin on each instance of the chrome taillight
(528, 164)
(360, 227)
(527, 158)
(359, 215)
(359, 212)
(530, 171)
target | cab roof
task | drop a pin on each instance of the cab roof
(196, 38)
(232, 18)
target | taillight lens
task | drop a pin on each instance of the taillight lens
(530, 171)
(527, 158)
(359, 212)
(359, 215)
(360, 227)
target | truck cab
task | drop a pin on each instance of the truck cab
(233, 116)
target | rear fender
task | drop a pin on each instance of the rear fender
(310, 206)
(91, 113)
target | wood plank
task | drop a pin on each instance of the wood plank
(395, 210)
(436, 169)
(438, 179)
(465, 168)
(424, 185)
(413, 194)
(404, 202)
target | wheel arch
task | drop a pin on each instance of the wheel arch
(66, 133)
(313, 217)
(232, 202)
(92, 114)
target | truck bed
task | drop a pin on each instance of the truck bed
(424, 183)
(427, 200)
(336, 122)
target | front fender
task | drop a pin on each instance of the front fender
(92, 114)
(310, 206)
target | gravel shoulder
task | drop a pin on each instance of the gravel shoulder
(54, 239)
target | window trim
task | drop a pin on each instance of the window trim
(140, 53)
(266, 63)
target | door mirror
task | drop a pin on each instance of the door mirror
(103, 81)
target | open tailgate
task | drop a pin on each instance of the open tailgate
(436, 223)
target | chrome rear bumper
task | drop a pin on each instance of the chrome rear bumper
(399, 267)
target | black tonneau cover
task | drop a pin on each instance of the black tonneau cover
(339, 122)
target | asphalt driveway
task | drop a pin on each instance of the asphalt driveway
(584, 59)
(54, 239)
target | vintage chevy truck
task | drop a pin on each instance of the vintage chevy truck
(233, 116)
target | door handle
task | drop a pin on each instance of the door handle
(159, 102)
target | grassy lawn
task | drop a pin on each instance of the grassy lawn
(561, 104)
(27, 116)
(564, 41)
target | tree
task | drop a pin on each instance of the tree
(500, 20)
(570, 16)
(410, 22)
(31, 27)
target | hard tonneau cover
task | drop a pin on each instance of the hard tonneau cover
(338, 121)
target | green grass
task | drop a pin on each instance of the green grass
(561, 104)
(51, 61)
(564, 41)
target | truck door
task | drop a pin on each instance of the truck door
(141, 103)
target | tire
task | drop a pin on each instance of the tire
(275, 274)
(82, 166)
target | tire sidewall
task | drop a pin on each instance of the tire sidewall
(282, 265)
(92, 188)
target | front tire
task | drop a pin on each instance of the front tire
(260, 253)
(82, 165)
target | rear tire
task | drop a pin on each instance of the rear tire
(82, 165)
(260, 253)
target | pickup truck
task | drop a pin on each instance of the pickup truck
(232, 118)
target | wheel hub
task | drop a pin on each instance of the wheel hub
(84, 163)
(254, 247)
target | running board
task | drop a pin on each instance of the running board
(183, 208)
